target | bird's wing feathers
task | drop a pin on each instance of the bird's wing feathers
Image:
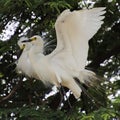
(74, 29)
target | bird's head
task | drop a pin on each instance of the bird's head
(36, 40)
(24, 45)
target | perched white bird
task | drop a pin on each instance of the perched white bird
(68, 60)
(23, 63)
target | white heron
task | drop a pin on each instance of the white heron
(23, 64)
(68, 60)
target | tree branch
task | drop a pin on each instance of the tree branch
(12, 92)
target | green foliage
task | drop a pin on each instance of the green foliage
(55, 6)
(25, 97)
(36, 113)
(45, 113)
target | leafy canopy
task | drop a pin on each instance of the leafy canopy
(23, 98)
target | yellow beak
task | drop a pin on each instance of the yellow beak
(32, 39)
(29, 40)
(22, 47)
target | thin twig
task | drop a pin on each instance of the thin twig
(85, 4)
(12, 92)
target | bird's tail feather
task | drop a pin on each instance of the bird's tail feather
(89, 95)
(89, 78)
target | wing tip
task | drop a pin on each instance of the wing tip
(62, 16)
(100, 8)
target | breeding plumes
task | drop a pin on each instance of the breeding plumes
(67, 62)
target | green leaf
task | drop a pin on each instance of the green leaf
(1, 75)
(58, 4)
(88, 117)
(29, 4)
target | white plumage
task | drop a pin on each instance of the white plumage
(68, 60)
(23, 63)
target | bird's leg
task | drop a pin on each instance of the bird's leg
(64, 94)
(60, 86)
(61, 96)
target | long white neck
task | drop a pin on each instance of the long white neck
(36, 49)
(35, 53)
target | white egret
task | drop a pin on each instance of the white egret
(68, 60)
(23, 63)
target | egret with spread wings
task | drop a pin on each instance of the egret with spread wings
(67, 62)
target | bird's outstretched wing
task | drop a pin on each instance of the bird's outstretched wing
(74, 29)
